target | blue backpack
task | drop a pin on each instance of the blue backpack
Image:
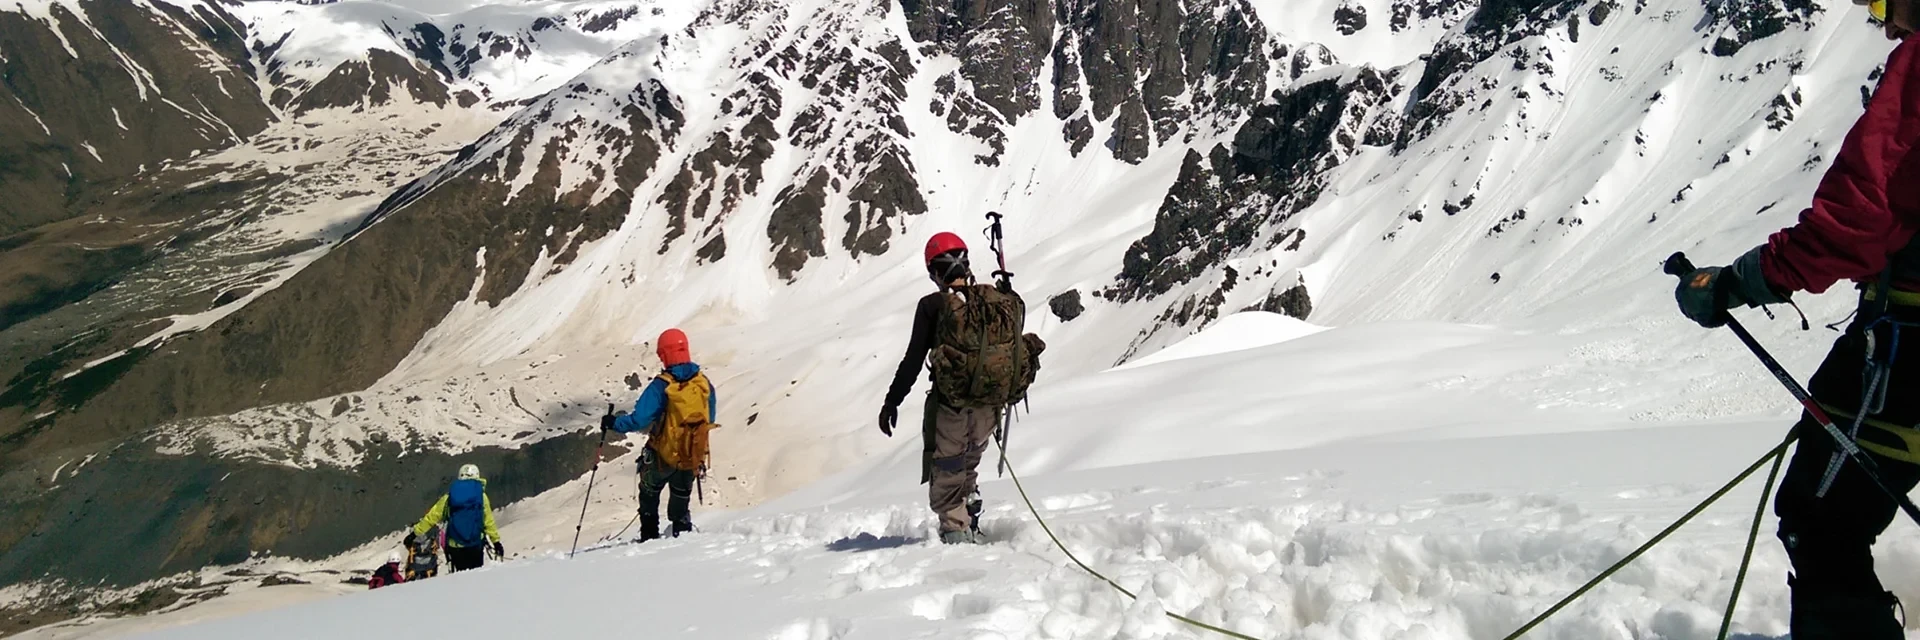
(466, 514)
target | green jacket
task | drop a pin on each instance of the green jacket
(437, 515)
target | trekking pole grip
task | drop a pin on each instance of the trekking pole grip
(1678, 265)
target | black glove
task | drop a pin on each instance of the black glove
(606, 422)
(408, 543)
(499, 552)
(1707, 293)
(889, 418)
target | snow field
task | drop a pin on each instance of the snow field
(1358, 509)
(1360, 541)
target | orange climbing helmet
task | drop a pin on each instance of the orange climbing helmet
(673, 348)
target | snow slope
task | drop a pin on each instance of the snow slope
(1379, 481)
(1559, 197)
(1232, 333)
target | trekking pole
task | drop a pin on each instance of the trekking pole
(1679, 266)
(997, 241)
(1000, 434)
(590, 476)
(700, 484)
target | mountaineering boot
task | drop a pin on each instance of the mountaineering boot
(649, 526)
(680, 527)
(974, 507)
(1850, 616)
(962, 536)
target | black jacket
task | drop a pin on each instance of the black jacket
(926, 317)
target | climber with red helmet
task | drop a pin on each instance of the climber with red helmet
(958, 319)
(677, 411)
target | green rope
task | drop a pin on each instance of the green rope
(1772, 455)
(1753, 535)
(1083, 566)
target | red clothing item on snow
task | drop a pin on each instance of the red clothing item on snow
(943, 242)
(673, 348)
(1868, 205)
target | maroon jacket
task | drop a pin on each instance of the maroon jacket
(1867, 208)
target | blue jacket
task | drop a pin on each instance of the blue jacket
(653, 401)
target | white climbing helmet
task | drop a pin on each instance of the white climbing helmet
(393, 557)
(469, 472)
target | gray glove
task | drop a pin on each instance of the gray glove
(1707, 293)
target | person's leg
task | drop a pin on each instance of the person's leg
(679, 507)
(947, 492)
(464, 558)
(1831, 514)
(652, 480)
(980, 426)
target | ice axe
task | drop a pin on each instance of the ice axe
(1679, 266)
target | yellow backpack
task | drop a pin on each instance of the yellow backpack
(679, 438)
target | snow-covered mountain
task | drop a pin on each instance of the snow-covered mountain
(556, 182)
(206, 165)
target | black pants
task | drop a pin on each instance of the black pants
(1829, 536)
(464, 558)
(654, 476)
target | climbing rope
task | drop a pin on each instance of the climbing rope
(1746, 557)
(1090, 570)
(1774, 456)
(636, 515)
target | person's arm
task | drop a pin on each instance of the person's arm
(645, 410)
(435, 515)
(492, 531)
(924, 318)
(1864, 210)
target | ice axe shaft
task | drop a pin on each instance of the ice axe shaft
(1679, 266)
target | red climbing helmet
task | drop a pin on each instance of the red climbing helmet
(943, 242)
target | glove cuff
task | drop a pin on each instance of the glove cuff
(1750, 283)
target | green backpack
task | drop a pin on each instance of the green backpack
(980, 357)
